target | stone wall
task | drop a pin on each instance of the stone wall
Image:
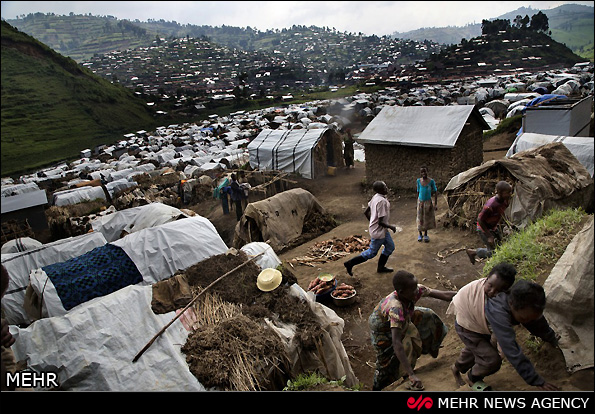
(398, 165)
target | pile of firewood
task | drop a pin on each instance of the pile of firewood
(331, 250)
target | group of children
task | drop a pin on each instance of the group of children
(486, 310)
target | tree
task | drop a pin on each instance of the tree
(540, 22)
(493, 27)
(526, 21)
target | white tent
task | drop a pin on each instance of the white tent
(156, 252)
(20, 265)
(581, 147)
(20, 244)
(91, 348)
(294, 150)
(134, 219)
(77, 195)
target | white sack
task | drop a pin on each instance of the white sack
(268, 260)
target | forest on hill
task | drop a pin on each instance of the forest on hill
(569, 24)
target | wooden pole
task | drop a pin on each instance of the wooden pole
(158, 334)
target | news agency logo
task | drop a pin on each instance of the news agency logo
(419, 403)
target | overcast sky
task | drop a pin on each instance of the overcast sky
(368, 17)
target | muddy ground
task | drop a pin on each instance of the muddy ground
(345, 197)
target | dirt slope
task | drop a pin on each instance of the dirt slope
(344, 196)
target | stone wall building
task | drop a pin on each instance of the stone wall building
(400, 140)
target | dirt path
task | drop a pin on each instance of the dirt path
(344, 196)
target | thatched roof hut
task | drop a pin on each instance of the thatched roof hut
(542, 178)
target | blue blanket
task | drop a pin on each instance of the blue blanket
(96, 273)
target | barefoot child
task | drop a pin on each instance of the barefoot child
(401, 332)
(479, 357)
(488, 220)
(426, 218)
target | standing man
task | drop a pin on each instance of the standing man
(237, 193)
(378, 213)
(348, 153)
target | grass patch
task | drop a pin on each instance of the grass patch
(507, 125)
(538, 245)
(314, 380)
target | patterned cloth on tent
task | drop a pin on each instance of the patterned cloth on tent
(96, 273)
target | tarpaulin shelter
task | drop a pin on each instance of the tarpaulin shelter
(98, 343)
(581, 147)
(133, 219)
(569, 292)
(399, 140)
(144, 257)
(307, 152)
(542, 178)
(277, 220)
(20, 265)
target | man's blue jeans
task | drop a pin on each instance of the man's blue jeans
(387, 242)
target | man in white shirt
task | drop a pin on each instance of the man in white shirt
(378, 213)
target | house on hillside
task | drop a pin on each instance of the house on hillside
(399, 140)
(308, 152)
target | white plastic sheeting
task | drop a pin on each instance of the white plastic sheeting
(581, 147)
(134, 219)
(285, 150)
(77, 195)
(15, 189)
(20, 244)
(92, 347)
(97, 343)
(421, 126)
(269, 258)
(158, 252)
(20, 265)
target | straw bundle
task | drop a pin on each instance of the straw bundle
(465, 203)
(229, 350)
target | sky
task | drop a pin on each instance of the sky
(368, 17)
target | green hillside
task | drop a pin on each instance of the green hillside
(570, 24)
(81, 36)
(505, 49)
(52, 108)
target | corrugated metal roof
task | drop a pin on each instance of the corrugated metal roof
(422, 126)
(22, 201)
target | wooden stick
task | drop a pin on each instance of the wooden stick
(142, 351)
